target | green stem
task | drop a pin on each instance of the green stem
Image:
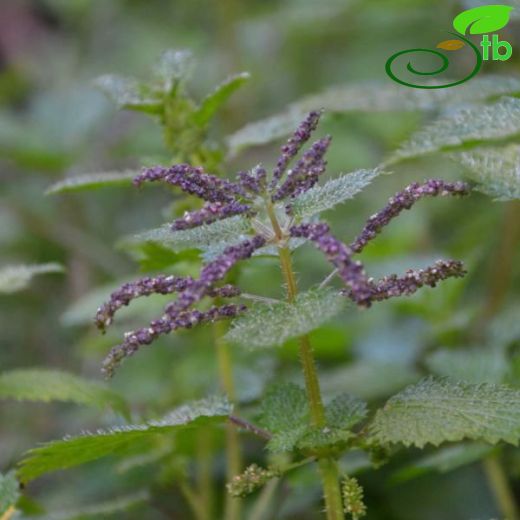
(233, 505)
(500, 486)
(204, 474)
(328, 466)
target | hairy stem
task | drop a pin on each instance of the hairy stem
(500, 486)
(233, 451)
(328, 467)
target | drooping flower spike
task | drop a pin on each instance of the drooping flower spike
(223, 199)
(405, 200)
(177, 314)
(362, 290)
(164, 325)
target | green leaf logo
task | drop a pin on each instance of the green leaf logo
(481, 20)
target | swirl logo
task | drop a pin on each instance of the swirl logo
(479, 20)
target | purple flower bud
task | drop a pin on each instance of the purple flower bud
(405, 200)
(294, 144)
(146, 286)
(137, 338)
(192, 180)
(211, 212)
(213, 272)
(253, 181)
(340, 255)
(306, 172)
(226, 291)
(393, 285)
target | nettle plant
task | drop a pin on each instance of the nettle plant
(272, 212)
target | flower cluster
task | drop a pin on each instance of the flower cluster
(404, 200)
(353, 498)
(250, 193)
(253, 478)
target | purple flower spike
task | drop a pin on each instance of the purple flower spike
(340, 255)
(213, 272)
(294, 144)
(211, 212)
(405, 200)
(136, 339)
(144, 287)
(226, 291)
(253, 181)
(192, 180)
(392, 286)
(306, 172)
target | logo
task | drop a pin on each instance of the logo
(479, 20)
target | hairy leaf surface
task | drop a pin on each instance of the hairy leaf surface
(472, 124)
(323, 197)
(267, 325)
(73, 451)
(495, 170)
(371, 97)
(436, 411)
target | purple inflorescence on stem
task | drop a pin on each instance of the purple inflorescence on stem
(146, 286)
(224, 199)
(405, 200)
(178, 314)
(192, 180)
(306, 172)
(393, 285)
(362, 290)
(340, 255)
(213, 272)
(253, 181)
(164, 325)
(294, 144)
(210, 212)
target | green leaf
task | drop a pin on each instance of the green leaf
(482, 365)
(218, 97)
(436, 411)
(89, 181)
(17, 277)
(173, 66)
(284, 412)
(129, 93)
(444, 460)
(371, 97)
(73, 451)
(345, 411)
(45, 385)
(481, 20)
(101, 510)
(333, 192)
(9, 491)
(267, 325)
(220, 233)
(496, 171)
(472, 124)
